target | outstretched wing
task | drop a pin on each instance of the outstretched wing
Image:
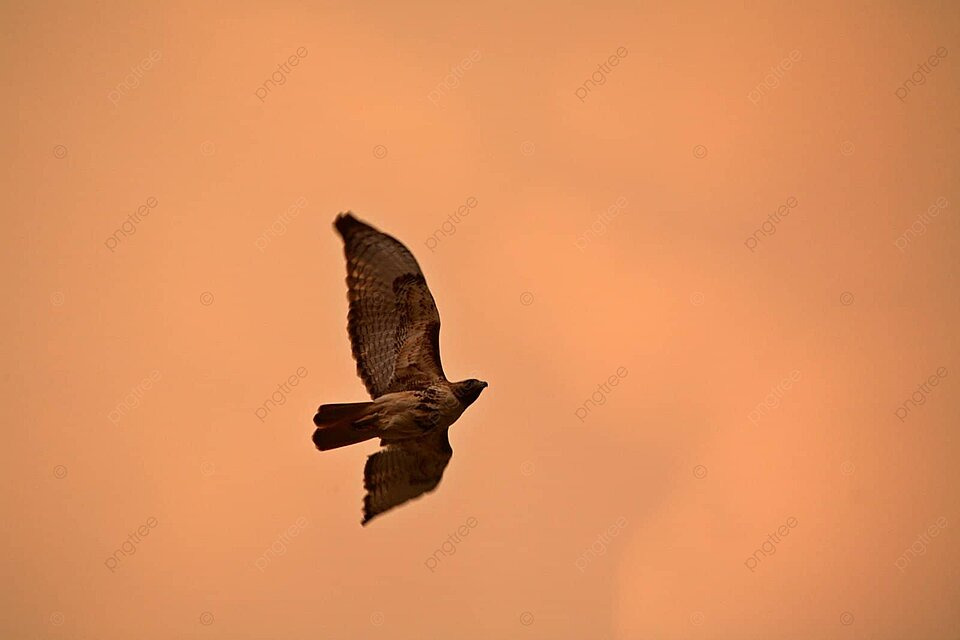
(393, 322)
(402, 471)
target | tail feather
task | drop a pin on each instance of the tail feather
(340, 425)
(333, 412)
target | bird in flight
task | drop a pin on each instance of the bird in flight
(394, 329)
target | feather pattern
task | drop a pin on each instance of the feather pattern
(393, 322)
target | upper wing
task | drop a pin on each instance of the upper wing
(404, 470)
(393, 323)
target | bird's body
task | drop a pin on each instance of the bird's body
(394, 329)
(394, 417)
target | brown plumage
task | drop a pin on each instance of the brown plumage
(394, 330)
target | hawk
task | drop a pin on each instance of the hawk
(394, 330)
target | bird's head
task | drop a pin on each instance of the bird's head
(468, 391)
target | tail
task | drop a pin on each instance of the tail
(339, 425)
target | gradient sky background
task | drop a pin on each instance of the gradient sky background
(678, 460)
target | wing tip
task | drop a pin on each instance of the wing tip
(346, 222)
(368, 511)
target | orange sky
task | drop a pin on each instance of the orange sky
(750, 222)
